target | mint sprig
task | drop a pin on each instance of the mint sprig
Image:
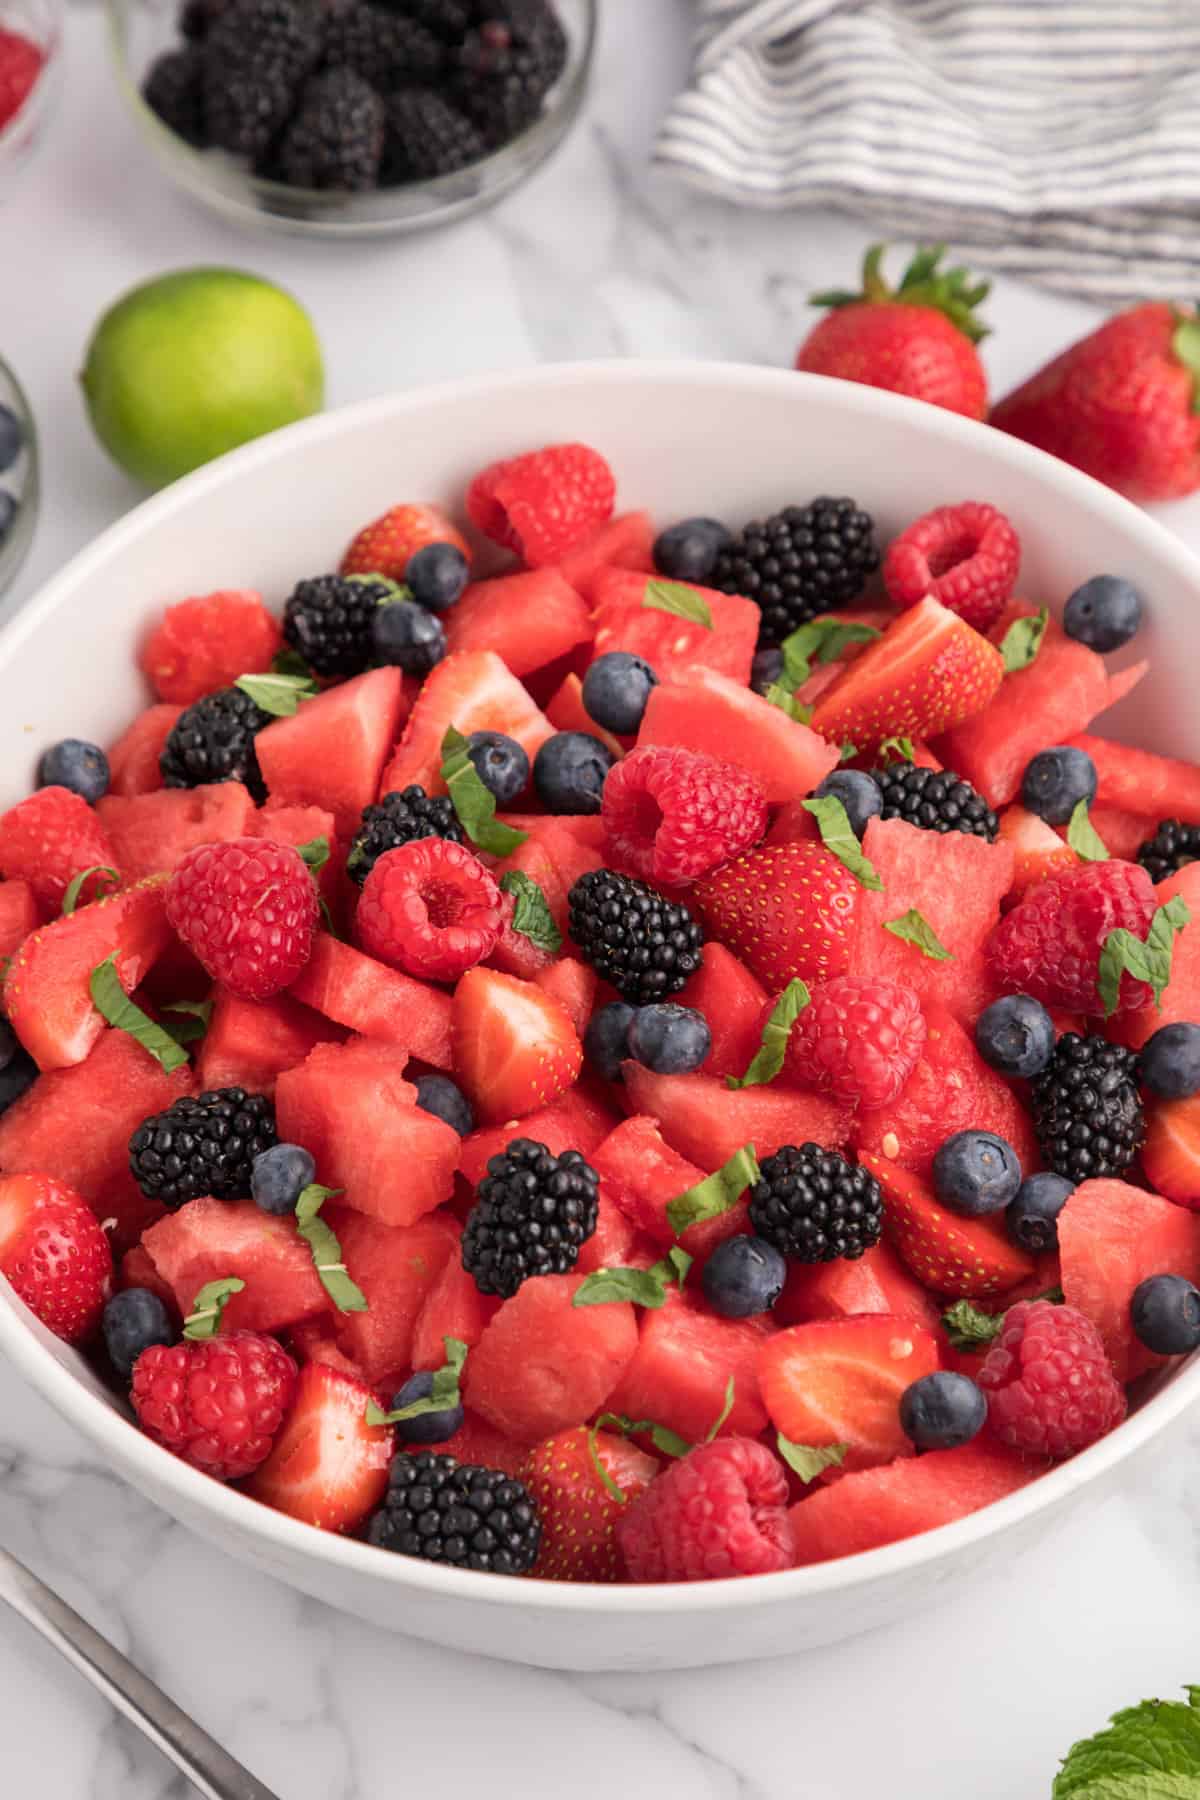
(914, 928)
(716, 1193)
(290, 662)
(475, 804)
(113, 1004)
(968, 1328)
(661, 1436)
(643, 1287)
(322, 1241)
(821, 641)
(769, 1058)
(314, 855)
(839, 839)
(70, 899)
(1146, 1752)
(786, 701)
(279, 695)
(1022, 641)
(531, 911)
(896, 749)
(194, 1019)
(204, 1320)
(677, 598)
(726, 1409)
(1083, 837)
(808, 1460)
(1148, 960)
(443, 1396)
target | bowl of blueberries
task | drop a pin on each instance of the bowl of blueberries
(18, 476)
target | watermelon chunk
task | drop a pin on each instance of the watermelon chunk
(300, 825)
(1111, 1236)
(529, 619)
(566, 712)
(249, 1043)
(1171, 1152)
(396, 1268)
(1038, 849)
(616, 1242)
(477, 1442)
(709, 712)
(452, 1307)
(706, 1122)
(354, 990)
(544, 1364)
(672, 645)
(133, 759)
(641, 1174)
(1123, 833)
(331, 753)
(576, 1120)
(679, 1376)
(19, 915)
(473, 691)
(573, 984)
(875, 1282)
(1162, 787)
(209, 1239)
(1181, 996)
(732, 1001)
(151, 832)
(626, 542)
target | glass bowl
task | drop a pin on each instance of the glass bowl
(18, 482)
(41, 21)
(142, 29)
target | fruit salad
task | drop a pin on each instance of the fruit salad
(608, 1050)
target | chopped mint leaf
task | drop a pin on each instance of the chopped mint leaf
(606, 1480)
(644, 1287)
(786, 701)
(970, 1329)
(840, 841)
(1146, 1752)
(531, 914)
(193, 1021)
(664, 1439)
(290, 662)
(314, 855)
(716, 1193)
(768, 1058)
(205, 1317)
(346, 1295)
(1148, 961)
(822, 641)
(913, 928)
(898, 749)
(726, 1409)
(443, 1395)
(396, 590)
(1083, 837)
(1023, 640)
(809, 1459)
(474, 803)
(676, 597)
(75, 886)
(279, 695)
(113, 1003)
(848, 752)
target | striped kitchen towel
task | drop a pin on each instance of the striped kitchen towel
(1059, 139)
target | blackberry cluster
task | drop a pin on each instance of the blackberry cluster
(934, 799)
(174, 89)
(1087, 1108)
(213, 740)
(426, 137)
(328, 620)
(533, 1213)
(815, 1206)
(508, 65)
(256, 56)
(450, 1512)
(1172, 847)
(643, 944)
(400, 819)
(202, 1144)
(335, 140)
(385, 48)
(800, 562)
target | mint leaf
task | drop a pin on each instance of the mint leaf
(279, 695)
(899, 749)
(644, 1287)
(474, 803)
(346, 1295)
(443, 1395)
(716, 1193)
(205, 1317)
(664, 1439)
(70, 899)
(822, 641)
(916, 930)
(1148, 961)
(676, 597)
(840, 841)
(768, 1058)
(531, 913)
(848, 752)
(1147, 1752)
(193, 1022)
(809, 1459)
(1083, 837)
(290, 662)
(393, 590)
(970, 1329)
(113, 1003)
(786, 701)
(726, 1409)
(1023, 640)
(314, 855)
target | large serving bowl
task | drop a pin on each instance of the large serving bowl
(683, 439)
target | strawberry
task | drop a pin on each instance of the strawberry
(20, 65)
(515, 1047)
(327, 1466)
(578, 1511)
(952, 1255)
(48, 839)
(1120, 403)
(927, 672)
(918, 339)
(1171, 1152)
(1037, 848)
(384, 546)
(54, 1253)
(541, 505)
(785, 909)
(839, 1381)
(206, 642)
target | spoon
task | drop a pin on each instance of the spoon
(210, 1769)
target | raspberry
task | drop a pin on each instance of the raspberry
(431, 909)
(1049, 944)
(966, 556)
(20, 65)
(858, 1039)
(384, 546)
(721, 1510)
(218, 1404)
(674, 815)
(48, 839)
(247, 909)
(1050, 1387)
(205, 643)
(540, 505)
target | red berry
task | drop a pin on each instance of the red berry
(431, 909)
(219, 1404)
(206, 642)
(785, 910)
(540, 505)
(48, 839)
(579, 1512)
(721, 1510)
(1050, 1387)
(1049, 944)
(858, 1039)
(20, 65)
(384, 546)
(674, 815)
(54, 1253)
(966, 556)
(247, 910)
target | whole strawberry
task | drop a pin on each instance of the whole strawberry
(578, 1508)
(384, 546)
(917, 339)
(1120, 404)
(786, 910)
(54, 1254)
(218, 1404)
(247, 910)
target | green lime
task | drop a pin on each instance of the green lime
(190, 365)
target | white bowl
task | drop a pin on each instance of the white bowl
(683, 439)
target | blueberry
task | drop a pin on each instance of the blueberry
(16, 1077)
(8, 512)
(743, 1276)
(1055, 781)
(75, 764)
(858, 793)
(1104, 613)
(569, 772)
(426, 1428)
(438, 1095)
(616, 689)
(1032, 1216)
(1169, 1062)
(12, 437)
(1165, 1312)
(279, 1176)
(669, 1039)
(405, 634)
(766, 669)
(976, 1172)
(942, 1411)
(500, 763)
(688, 551)
(436, 575)
(1016, 1036)
(133, 1320)
(606, 1040)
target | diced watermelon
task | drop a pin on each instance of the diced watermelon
(641, 1174)
(479, 1443)
(137, 1270)
(566, 712)
(315, 1340)
(707, 1122)
(709, 712)
(626, 542)
(453, 1307)
(209, 1239)
(544, 1363)
(573, 984)
(122, 1208)
(680, 1374)
(588, 829)
(133, 759)
(575, 1121)
(300, 825)
(332, 751)
(875, 1282)
(1038, 850)
(19, 916)
(1122, 833)
(732, 1001)
(473, 691)
(1181, 996)
(354, 990)
(396, 1268)
(616, 1242)
(529, 619)
(250, 1042)
(1162, 787)
(672, 645)
(1111, 1236)
(151, 832)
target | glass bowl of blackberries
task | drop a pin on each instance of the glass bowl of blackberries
(352, 118)
(18, 476)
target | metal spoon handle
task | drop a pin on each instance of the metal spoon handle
(207, 1766)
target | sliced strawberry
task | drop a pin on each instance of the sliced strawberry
(839, 1381)
(1171, 1152)
(327, 1466)
(579, 1512)
(54, 1253)
(927, 672)
(1037, 848)
(785, 909)
(473, 691)
(515, 1047)
(952, 1255)
(19, 916)
(573, 984)
(566, 712)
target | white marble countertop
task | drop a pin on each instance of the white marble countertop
(592, 258)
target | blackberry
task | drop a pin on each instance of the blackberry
(815, 1206)
(799, 562)
(328, 620)
(174, 89)
(256, 57)
(426, 136)
(1172, 847)
(213, 740)
(448, 20)
(385, 49)
(335, 140)
(450, 1512)
(508, 65)
(1087, 1109)
(633, 937)
(400, 819)
(202, 1144)
(533, 1212)
(934, 799)
(196, 17)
